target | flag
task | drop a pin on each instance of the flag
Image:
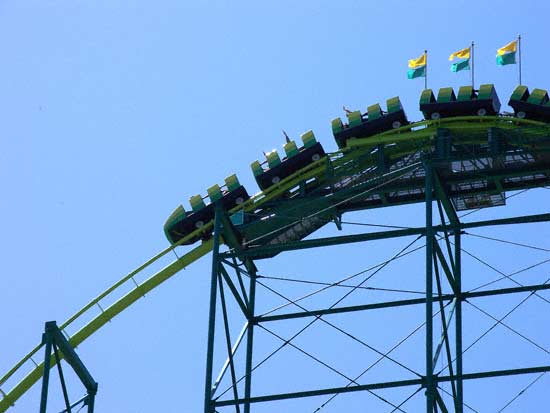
(418, 72)
(506, 59)
(415, 63)
(417, 67)
(461, 54)
(462, 65)
(509, 48)
(506, 55)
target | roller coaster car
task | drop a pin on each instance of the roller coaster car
(181, 223)
(469, 102)
(534, 106)
(295, 160)
(373, 122)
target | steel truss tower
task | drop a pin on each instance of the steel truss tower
(443, 264)
(447, 165)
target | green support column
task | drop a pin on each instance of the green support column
(46, 375)
(458, 323)
(208, 407)
(430, 396)
(91, 404)
(250, 340)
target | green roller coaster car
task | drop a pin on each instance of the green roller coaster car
(273, 170)
(181, 223)
(535, 106)
(468, 103)
(509, 154)
(368, 124)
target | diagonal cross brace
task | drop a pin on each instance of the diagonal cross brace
(447, 205)
(231, 237)
(440, 402)
(242, 304)
(54, 338)
(71, 357)
(446, 269)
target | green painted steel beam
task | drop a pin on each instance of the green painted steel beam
(250, 340)
(459, 400)
(240, 300)
(446, 267)
(347, 239)
(430, 239)
(445, 201)
(490, 176)
(72, 358)
(53, 337)
(400, 303)
(384, 385)
(208, 408)
(329, 241)
(440, 402)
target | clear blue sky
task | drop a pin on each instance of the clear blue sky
(113, 113)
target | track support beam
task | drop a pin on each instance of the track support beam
(54, 339)
(208, 407)
(430, 387)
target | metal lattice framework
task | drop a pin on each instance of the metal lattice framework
(451, 164)
(448, 175)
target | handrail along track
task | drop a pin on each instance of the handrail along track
(400, 142)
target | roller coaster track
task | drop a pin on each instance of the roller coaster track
(347, 180)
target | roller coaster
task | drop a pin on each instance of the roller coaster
(465, 155)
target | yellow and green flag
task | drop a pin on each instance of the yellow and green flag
(506, 55)
(417, 67)
(463, 64)
(461, 54)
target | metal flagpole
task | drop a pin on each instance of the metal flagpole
(472, 58)
(519, 52)
(426, 70)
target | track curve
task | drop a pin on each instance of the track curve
(407, 140)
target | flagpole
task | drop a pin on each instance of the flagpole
(426, 71)
(473, 87)
(519, 66)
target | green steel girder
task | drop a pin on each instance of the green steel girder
(231, 355)
(54, 338)
(416, 184)
(383, 385)
(445, 201)
(250, 340)
(459, 400)
(240, 300)
(228, 345)
(430, 383)
(208, 384)
(233, 240)
(401, 303)
(440, 403)
(285, 214)
(438, 253)
(345, 239)
(387, 190)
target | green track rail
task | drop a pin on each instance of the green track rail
(406, 140)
